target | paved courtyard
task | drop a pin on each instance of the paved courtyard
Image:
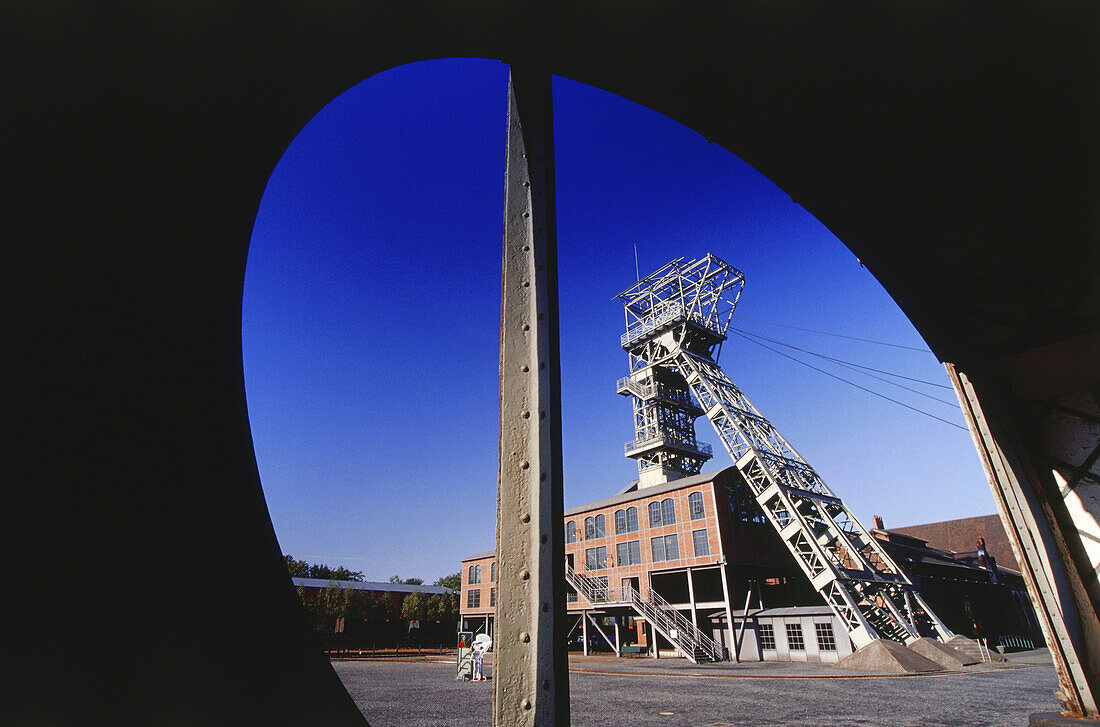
(422, 693)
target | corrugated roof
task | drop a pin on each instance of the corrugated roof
(369, 586)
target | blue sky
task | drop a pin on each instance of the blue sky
(371, 314)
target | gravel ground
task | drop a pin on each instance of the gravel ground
(416, 694)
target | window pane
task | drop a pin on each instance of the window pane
(620, 521)
(654, 514)
(794, 637)
(657, 546)
(589, 528)
(672, 548)
(601, 526)
(767, 637)
(590, 559)
(695, 504)
(492, 596)
(631, 519)
(571, 532)
(700, 542)
(628, 553)
(825, 639)
(668, 511)
(493, 572)
(601, 556)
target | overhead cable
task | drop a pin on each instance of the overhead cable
(838, 335)
(856, 367)
(850, 383)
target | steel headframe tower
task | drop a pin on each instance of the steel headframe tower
(676, 321)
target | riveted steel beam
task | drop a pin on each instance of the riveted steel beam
(530, 672)
(1055, 580)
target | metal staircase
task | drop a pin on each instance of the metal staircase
(676, 322)
(670, 623)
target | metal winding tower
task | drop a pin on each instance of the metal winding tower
(676, 321)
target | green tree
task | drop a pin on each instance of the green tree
(384, 607)
(453, 581)
(442, 607)
(297, 568)
(308, 604)
(410, 581)
(332, 601)
(302, 569)
(414, 607)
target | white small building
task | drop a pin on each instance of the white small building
(797, 633)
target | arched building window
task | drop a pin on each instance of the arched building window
(668, 511)
(626, 521)
(475, 574)
(493, 572)
(662, 513)
(589, 528)
(571, 531)
(601, 526)
(695, 505)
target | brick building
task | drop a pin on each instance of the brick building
(701, 545)
(697, 542)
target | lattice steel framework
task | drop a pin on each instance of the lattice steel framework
(676, 322)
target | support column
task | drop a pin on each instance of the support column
(734, 647)
(584, 631)
(691, 601)
(618, 641)
(1041, 530)
(745, 621)
(530, 675)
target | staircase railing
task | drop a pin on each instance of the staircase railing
(677, 627)
(594, 590)
(671, 623)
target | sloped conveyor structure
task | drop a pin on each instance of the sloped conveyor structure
(676, 321)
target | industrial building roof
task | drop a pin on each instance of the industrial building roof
(814, 610)
(634, 493)
(961, 537)
(369, 586)
(479, 556)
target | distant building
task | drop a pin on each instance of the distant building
(396, 592)
(976, 594)
(702, 545)
(372, 614)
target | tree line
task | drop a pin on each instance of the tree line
(373, 614)
(302, 569)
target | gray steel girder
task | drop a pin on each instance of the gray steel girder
(530, 673)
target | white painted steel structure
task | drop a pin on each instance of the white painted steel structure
(676, 321)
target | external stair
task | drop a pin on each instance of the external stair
(696, 646)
